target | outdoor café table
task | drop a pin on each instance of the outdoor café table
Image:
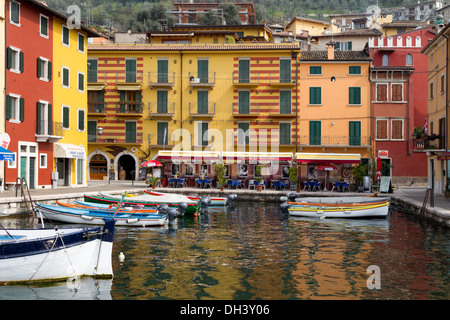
(199, 183)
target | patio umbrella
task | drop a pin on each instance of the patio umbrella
(378, 168)
(152, 163)
(327, 167)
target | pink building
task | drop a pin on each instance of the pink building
(399, 102)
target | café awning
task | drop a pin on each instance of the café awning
(260, 157)
(7, 155)
(335, 158)
(66, 150)
(188, 156)
(444, 156)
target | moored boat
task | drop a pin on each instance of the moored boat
(215, 201)
(107, 208)
(28, 255)
(86, 216)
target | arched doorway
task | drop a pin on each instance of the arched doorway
(98, 167)
(127, 167)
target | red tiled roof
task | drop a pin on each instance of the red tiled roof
(203, 47)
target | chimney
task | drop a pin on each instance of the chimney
(331, 46)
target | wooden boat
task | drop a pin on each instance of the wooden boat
(378, 210)
(337, 200)
(215, 201)
(93, 216)
(108, 208)
(146, 201)
(56, 254)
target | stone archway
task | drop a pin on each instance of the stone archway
(129, 161)
(94, 153)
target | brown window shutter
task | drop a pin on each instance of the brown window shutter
(382, 129)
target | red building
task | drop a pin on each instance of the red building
(29, 92)
(399, 102)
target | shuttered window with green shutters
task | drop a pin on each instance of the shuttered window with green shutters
(81, 120)
(202, 134)
(162, 133)
(315, 133)
(65, 35)
(163, 71)
(43, 119)
(243, 133)
(354, 95)
(80, 82)
(15, 108)
(244, 102)
(44, 26)
(81, 39)
(354, 133)
(354, 70)
(285, 102)
(244, 71)
(66, 117)
(92, 70)
(65, 77)
(202, 101)
(285, 133)
(14, 60)
(315, 95)
(285, 70)
(14, 8)
(315, 70)
(161, 101)
(202, 70)
(130, 131)
(92, 131)
(130, 70)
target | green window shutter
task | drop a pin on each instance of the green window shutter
(315, 95)
(202, 134)
(66, 119)
(130, 70)
(39, 119)
(202, 101)
(244, 102)
(163, 71)
(338, 45)
(49, 71)
(21, 62)
(81, 82)
(9, 58)
(130, 132)
(315, 132)
(285, 133)
(349, 45)
(354, 70)
(243, 133)
(50, 119)
(354, 133)
(122, 101)
(9, 107)
(92, 70)
(22, 110)
(285, 102)
(101, 100)
(315, 70)
(162, 128)
(244, 71)
(39, 67)
(285, 71)
(203, 70)
(81, 42)
(162, 102)
(65, 79)
(92, 131)
(65, 32)
(354, 95)
(15, 12)
(81, 120)
(44, 26)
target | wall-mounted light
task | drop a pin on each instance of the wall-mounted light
(333, 79)
(100, 130)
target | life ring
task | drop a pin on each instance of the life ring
(133, 149)
(112, 205)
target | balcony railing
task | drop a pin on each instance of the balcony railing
(159, 111)
(247, 80)
(156, 79)
(421, 145)
(155, 143)
(202, 82)
(115, 76)
(208, 111)
(48, 131)
(96, 108)
(335, 141)
(105, 139)
(129, 108)
(250, 111)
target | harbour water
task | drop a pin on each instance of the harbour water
(251, 252)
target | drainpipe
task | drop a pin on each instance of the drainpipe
(296, 100)
(446, 109)
(181, 96)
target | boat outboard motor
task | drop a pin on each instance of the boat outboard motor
(284, 199)
(204, 203)
(172, 214)
(231, 198)
(291, 196)
(163, 209)
(284, 210)
(182, 206)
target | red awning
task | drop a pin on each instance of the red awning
(444, 156)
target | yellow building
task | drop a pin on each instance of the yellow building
(334, 109)
(313, 26)
(2, 84)
(391, 28)
(219, 97)
(69, 68)
(437, 118)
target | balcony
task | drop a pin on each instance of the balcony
(96, 109)
(246, 81)
(48, 131)
(275, 111)
(202, 82)
(122, 77)
(153, 142)
(280, 81)
(335, 141)
(161, 112)
(208, 111)
(430, 143)
(129, 109)
(161, 80)
(251, 111)
(125, 139)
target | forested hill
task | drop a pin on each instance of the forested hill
(123, 14)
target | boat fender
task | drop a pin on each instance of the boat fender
(319, 211)
(86, 217)
(284, 199)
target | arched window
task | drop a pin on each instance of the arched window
(385, 61)
(409, 59)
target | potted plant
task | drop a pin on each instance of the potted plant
(154, 182)
(219, 169)
(358, 173)
(258, 177)
(293, 176)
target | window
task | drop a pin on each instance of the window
(344, 46)
(92, 132)
(285, 133)
(43, 118)
(354, 95)
(244, 102)
(243, 133)
(397, 129)
(92, 70)
(354, 70)
(81, 120)
(354, 133)
(244, 71)
(162, 133)
(315, 95)
(130, 70)
(397, 92)
(44, 69)
(285, 102)
(65, 77)
(43, 30)
(409, 60)
(96, 101)
(14, 13)
(285, 70)
(163, 71)
(162, 102)
(80, 82)
(130, 131)
(431, 90)
(81, 43)
(202, 133)
(315, 70)
(382, 92)
(385, 60)
(381, 129)
(130, 101)
(42, 160)
(315, 133)
(442, 83)
(66, 117)
(15, 108)
(65, 36)
(203, 70)
(15, 60)
(202, 101)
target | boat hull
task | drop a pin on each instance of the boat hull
(215, 201)
(50, 255)
(372, 211)
(68, 215)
